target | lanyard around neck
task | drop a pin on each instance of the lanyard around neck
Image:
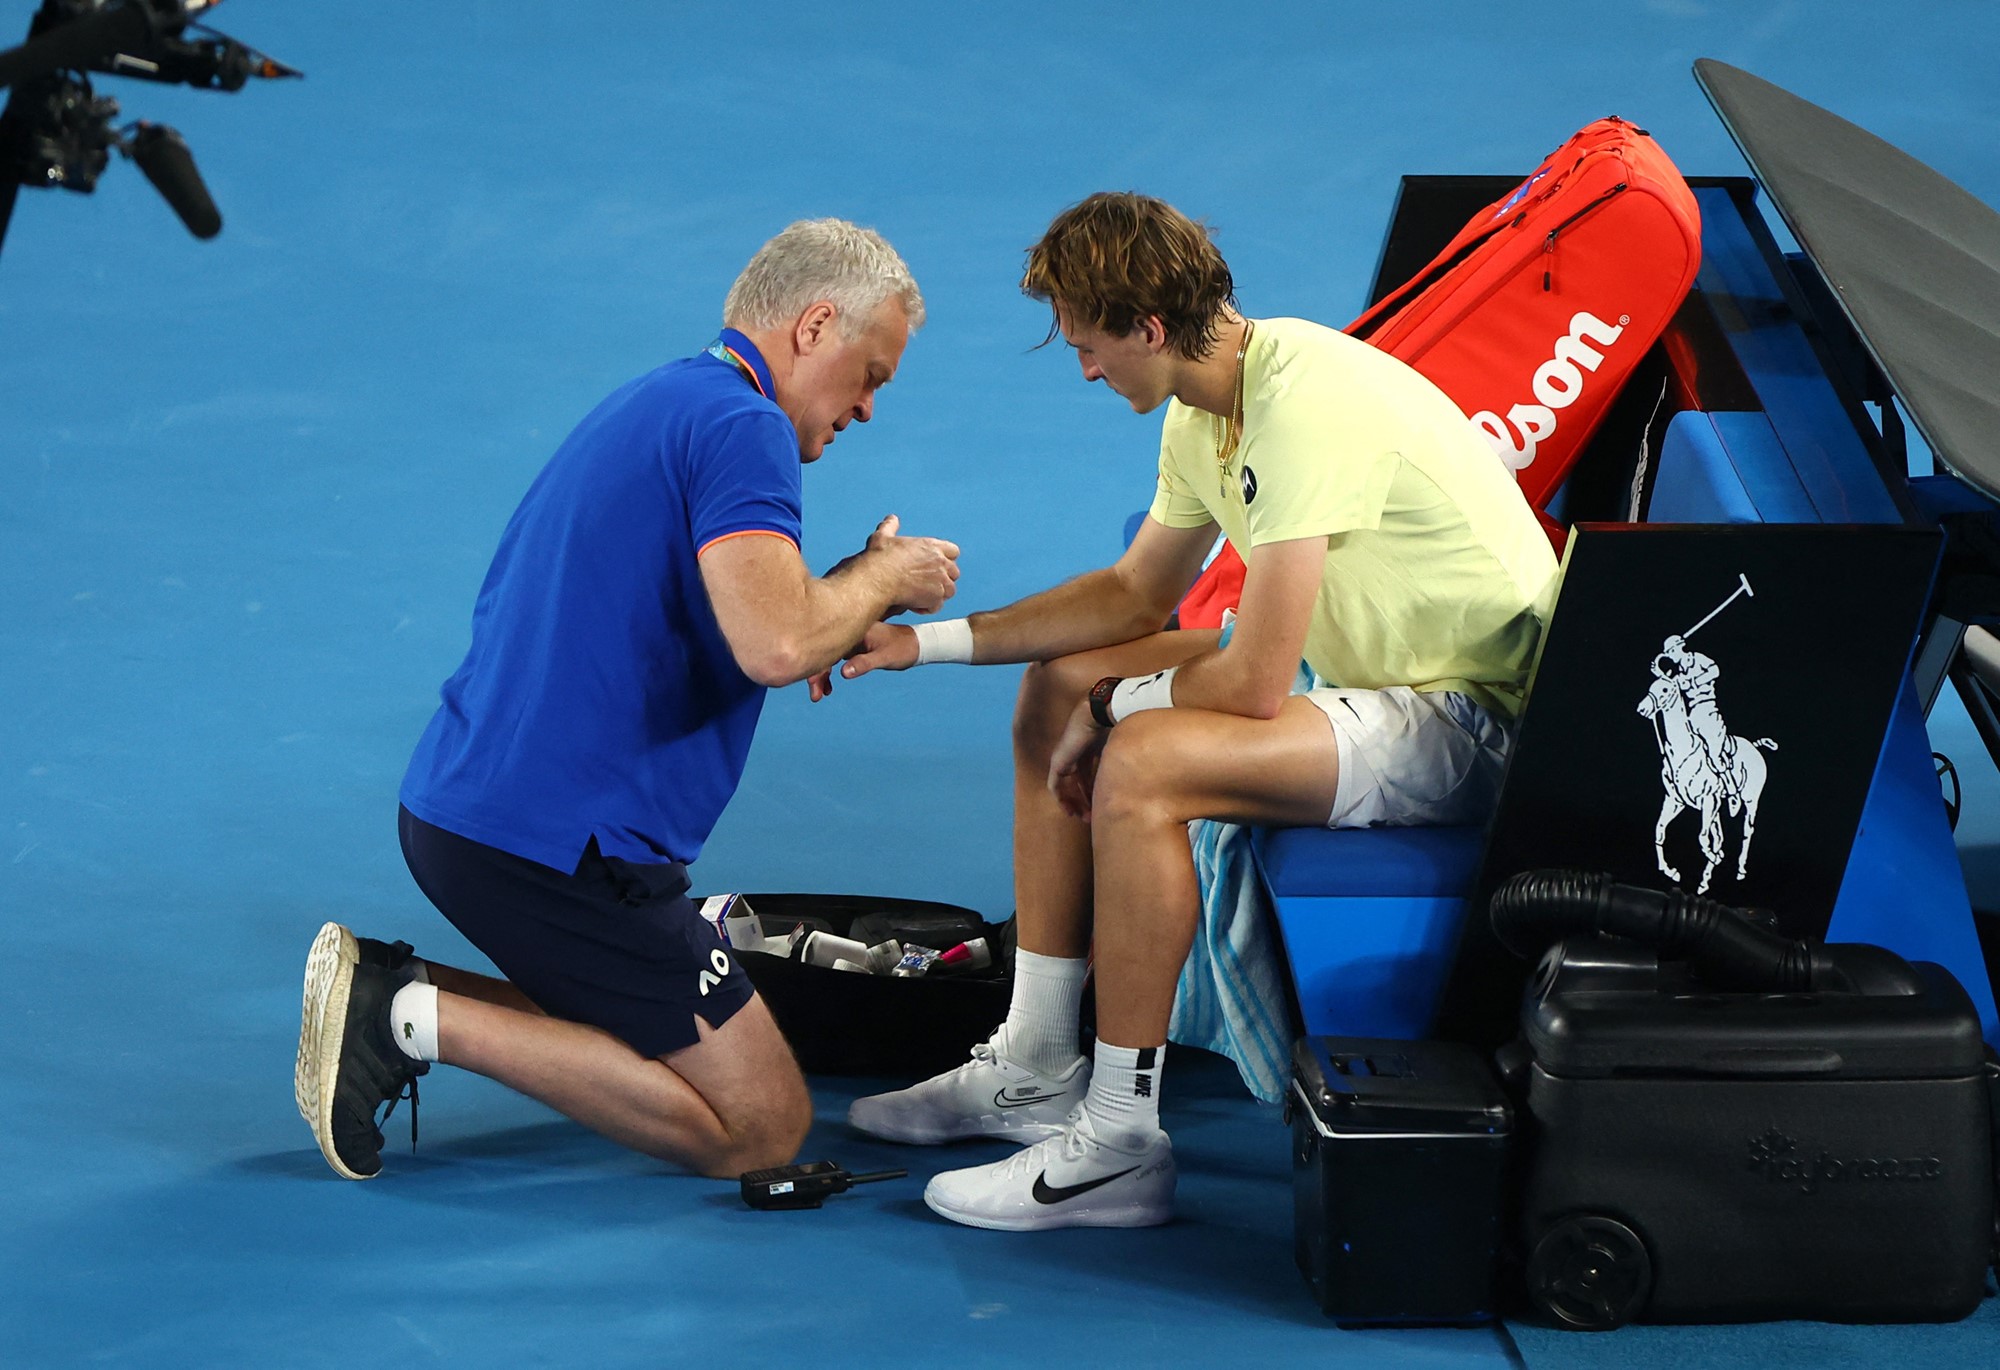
(722, 351)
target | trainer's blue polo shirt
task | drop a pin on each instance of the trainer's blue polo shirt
(599, 698)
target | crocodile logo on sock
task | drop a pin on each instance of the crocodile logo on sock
(1046, 1193)
(410, 1031)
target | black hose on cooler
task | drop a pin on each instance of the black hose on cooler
(1720, 944)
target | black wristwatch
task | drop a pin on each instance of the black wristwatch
(1100, 700)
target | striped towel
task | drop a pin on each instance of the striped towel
(1231, 999)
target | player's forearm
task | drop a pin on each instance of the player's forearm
(1253, 675)
(1233, 682)
(1097, 609)
(1251, 678)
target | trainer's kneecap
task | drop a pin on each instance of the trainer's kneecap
(772, 1142)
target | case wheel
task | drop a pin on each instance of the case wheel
(1590, 1273)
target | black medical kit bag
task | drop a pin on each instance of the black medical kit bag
(1399, 1154)
(840, 1023)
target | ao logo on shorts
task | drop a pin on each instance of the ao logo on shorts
(710, 978)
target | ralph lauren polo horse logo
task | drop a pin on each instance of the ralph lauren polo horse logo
(1703, 766)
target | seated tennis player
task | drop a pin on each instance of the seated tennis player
(1386, 547)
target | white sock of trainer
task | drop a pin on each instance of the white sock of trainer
(1124, 1097)
(413, 1020)
(1044, 1015)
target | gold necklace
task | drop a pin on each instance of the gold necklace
(1226, 443)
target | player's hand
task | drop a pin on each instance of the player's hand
(821, 685)
(923, 572)
(1073, 763)
(887, 647)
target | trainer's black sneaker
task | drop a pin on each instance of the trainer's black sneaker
(387, 955)
(349, 1066)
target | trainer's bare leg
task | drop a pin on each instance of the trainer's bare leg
(734, 1101)
(472, 985)
(1161, 768)
(1052, 851)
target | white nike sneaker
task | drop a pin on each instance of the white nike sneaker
(988, 1096)
(1071, 1180)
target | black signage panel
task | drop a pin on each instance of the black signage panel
(1705, 715)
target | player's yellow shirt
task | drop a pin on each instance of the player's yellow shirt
(1437, 574)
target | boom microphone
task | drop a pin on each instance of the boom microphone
(163, 155)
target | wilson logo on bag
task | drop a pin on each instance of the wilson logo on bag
(1557, 384)
(1605, 228)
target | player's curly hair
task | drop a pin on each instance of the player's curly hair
(1118, 257)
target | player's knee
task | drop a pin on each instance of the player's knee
(1134, 776)
(1044, 702)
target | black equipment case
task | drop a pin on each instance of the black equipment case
(1717, 1157)
(844, 1024)
(1399, 1154)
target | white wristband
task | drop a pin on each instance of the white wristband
(1135, 693)
(948, 641)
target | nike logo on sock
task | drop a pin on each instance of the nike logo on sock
(1046, 1193)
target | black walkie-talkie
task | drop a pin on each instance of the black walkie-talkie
(804, 1186)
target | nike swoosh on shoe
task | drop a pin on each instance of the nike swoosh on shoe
(1005, 1100)
(1046, 1193)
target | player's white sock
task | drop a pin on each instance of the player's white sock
(413, 1020)
(1124, 1097)
(1043, 1016)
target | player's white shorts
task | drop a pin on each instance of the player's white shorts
(1409, 758)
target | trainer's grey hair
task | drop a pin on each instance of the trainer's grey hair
(852, 268)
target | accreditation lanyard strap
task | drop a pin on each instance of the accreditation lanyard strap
(722, 351)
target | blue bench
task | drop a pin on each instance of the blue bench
(1369, 919)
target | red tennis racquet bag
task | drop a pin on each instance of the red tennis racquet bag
(1532, 317)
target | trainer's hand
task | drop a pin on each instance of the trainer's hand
(1073, 763)
(887, 647)
(923, 572)
(821, 685)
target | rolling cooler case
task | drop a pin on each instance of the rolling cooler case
(1717, 1157)
(1399, 1153)
(1534, 315)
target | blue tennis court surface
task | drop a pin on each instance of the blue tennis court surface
(248, 489)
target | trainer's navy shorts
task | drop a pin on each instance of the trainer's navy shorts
(615, 944)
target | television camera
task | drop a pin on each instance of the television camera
(57, 131)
